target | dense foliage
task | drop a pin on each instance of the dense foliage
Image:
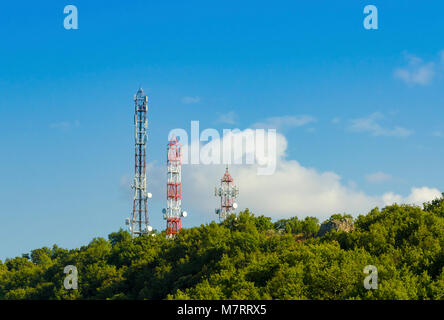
(248, 257)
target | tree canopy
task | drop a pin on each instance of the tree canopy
(248, 257)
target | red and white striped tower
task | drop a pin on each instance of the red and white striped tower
(228, 193)
(173, 212)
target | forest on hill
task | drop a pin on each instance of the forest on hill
(248, 257)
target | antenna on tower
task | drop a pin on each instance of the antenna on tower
(138, 223)
(228, 193)
(173, 212)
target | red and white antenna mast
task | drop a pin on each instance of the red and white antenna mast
(173, 212)
(228, 193)
(138, 224)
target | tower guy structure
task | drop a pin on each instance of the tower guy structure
(228, 193)
(138, 224)
(173, 212)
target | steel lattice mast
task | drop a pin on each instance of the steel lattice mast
(139, 223)
(173, 212)
(228, 193)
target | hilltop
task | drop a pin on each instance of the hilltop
(249, 257)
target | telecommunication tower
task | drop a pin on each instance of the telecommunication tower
(173, 212)
(138, 224)
(228, 193)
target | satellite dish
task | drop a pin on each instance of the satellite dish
(149, 228)
(127, 221)
(149, 195)
(184, 214)
(164, 210)
(235, 205)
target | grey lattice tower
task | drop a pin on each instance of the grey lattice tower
(138, 224)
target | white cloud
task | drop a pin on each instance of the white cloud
(437, 133)
(190, 100)
(293, 190)
(417, 72)
(417, 196)
(283, 122)
(420, 195)
(336, 120)
(65, 125)
(371, 124)
(377, 177)
(228, 118)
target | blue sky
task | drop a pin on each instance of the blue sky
(375, 97)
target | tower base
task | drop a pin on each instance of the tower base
(173, 227)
